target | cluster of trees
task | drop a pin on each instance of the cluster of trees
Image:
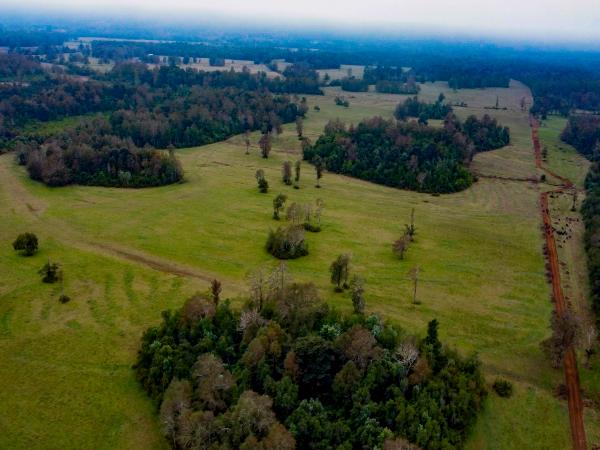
(397, 87)
(353, 84)
(408, 155)
(412, 107)
(405, 155)
(486, 133)
(391, 80)
(203, 115)
(290, 372)
(298, 78)
(287, 242)
(300, 214)
(91, 155)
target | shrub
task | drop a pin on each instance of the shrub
(263, 184)
(287, 243)
(50, 272)
(312, 228)
(26, 243)
(503, 388)
(64, 298)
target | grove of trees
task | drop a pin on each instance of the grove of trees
(288, 371)
(407, 155)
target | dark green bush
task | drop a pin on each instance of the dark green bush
(311, 227)
(503, 388)
(26, 243)
(50, 272)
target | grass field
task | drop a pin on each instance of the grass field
(129, 254)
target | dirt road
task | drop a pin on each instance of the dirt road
(570, 361)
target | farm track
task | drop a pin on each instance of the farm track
(574, 400)
(27, 205)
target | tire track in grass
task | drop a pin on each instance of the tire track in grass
(574, 400)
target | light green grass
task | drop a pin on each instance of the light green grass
(480, 252)
(562, 158)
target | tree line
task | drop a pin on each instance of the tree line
(583, 133)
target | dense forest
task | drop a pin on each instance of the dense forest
(407, 155)
(560, 82)
(290, 372)
(164, 107)
(583, 133)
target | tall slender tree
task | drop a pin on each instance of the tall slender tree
(265, 144)
(319, 167)
(286, 172)
(299, 127)
(247, 141)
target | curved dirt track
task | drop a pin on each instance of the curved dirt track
(570, 361)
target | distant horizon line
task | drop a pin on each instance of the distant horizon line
(148, 22)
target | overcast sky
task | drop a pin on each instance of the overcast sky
(571, 20)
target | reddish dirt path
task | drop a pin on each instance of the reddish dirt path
(570, 362)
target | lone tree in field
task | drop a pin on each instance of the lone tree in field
(319, 166)
(545, 153)
(320, 205)
(401, 245)
(265, 144)
(414, 276)
(247, 141)
(589, 342)
(340, 269)
(215, 290)
(410, 229)
(299, 127)
(26, 243)
(263, 185)
(286, 172)
(50, 272)
(278, 203)
(357, 288)
(297, 167)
